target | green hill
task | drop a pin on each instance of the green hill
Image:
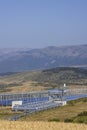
(43, 80)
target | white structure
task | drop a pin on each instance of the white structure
(16, 103)
(61, 102)
(64, 85)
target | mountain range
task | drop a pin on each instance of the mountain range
(16, 60)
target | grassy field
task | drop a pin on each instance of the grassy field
(12, 125)
(70, 111)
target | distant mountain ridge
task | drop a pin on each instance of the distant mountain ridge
(15, 60)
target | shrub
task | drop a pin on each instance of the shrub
(81, 119)
(83, 113)
(68, 120)
(56, 120)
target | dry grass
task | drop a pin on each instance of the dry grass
(6, 113)
(12, 125)
(77, 86)
(25, 87)
(29, 86)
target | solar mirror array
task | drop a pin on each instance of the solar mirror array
(36, 101)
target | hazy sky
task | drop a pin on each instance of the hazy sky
(40, 23)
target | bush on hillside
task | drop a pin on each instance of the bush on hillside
(68, 120)
(84, 113)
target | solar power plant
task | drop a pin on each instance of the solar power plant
(36, 101)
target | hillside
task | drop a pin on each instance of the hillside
(74, 111)
(43, 80)
(16, 60)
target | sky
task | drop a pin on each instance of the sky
(41, 23)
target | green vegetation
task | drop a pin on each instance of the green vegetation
(80, 118)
